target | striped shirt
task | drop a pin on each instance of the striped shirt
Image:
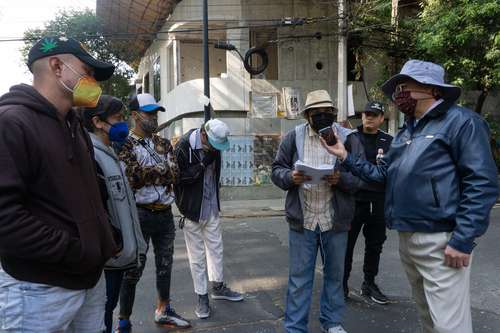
(317, 197)
(210, 203)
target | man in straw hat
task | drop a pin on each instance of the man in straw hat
(319, 215)
(441, 183)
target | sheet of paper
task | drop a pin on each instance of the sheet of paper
(316, 173)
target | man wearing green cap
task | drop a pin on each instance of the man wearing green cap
(54, 233)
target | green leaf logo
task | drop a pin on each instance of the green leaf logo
(48, 44)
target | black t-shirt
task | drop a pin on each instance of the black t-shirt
(370, 145)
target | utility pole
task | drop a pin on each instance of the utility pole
(206, 63)
(342, 63)
(393, 66)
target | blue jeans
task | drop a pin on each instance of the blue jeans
(33, 307)
(113, 284)
(303, 249)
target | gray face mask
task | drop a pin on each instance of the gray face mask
(149, 125)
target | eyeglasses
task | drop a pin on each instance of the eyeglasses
(403, 87)
(399, 88)
(316, 111)
(76, 72)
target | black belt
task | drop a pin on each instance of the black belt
(153, 209)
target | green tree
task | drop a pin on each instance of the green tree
(464, 36)
(376, 41)
(85, 27)
(494, 138)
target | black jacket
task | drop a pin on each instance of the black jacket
(189, 188)
(372, 191)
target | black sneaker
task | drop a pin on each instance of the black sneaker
(221, 291)
(169, 317)
(203, 307)
(371, 291)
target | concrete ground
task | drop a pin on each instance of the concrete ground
(255, 241)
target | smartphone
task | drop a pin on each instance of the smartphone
(329, 136)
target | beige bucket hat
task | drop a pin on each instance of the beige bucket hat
(318, 99)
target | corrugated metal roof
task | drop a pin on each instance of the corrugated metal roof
(132, 24)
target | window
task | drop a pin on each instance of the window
(157, 79)
(191, 61)
(352, 74)
(146, 83)
(171, 70)
(354, 70)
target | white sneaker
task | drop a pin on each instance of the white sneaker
(334, 329)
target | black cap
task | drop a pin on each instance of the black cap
(107, 106)
(49, 46)
(375, 107)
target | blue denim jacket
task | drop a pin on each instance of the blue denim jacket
(439, 176)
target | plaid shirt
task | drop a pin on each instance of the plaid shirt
(317, 197)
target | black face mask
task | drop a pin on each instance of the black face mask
(322, 120)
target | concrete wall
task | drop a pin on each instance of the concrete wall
(295, 60)
(191, 61)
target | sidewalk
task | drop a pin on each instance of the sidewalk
(250, 208)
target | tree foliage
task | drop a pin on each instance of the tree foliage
(85, 27)
(464, 36)
(461, 35)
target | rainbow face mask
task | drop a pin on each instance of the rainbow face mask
(86, 91)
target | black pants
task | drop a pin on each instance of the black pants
(158, 227)
(113, 285)
(369, 216)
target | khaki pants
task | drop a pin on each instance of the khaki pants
(442, 293)
(205, 252)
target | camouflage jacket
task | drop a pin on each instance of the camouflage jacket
(151, 169)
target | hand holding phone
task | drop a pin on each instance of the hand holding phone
(328, 135)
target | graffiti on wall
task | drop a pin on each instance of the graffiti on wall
(238, 162)
(248, 160)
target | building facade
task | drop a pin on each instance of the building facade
(259, 109)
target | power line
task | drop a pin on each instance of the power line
(279, 23)
(116, 35)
